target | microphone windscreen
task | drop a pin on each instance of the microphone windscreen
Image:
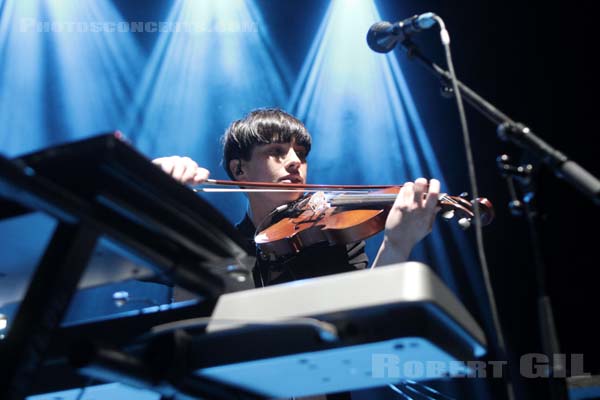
(381, 37)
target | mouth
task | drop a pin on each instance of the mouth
(291, 179)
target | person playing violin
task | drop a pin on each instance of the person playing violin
(270, 145)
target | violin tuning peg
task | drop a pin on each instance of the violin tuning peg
(448, 214)
(446, 91)
(464, 223)
(516, 208)
(503, 158)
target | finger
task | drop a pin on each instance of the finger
(420, 189)
(432, 199)
(190, 170)
(165, 163)
(202, 175)
(178, 170)
(406, 195)
(188, 174)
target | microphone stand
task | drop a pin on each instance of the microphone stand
(525, 207)
(581, 179)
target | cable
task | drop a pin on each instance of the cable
(84, 388)
(415, 391)
(428, 389)
(81, 392)
(399, 391)
(445, 38)
(423, 391)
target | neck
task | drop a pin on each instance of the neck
(261, 206)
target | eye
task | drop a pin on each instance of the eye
(301, 152)
(277, 151)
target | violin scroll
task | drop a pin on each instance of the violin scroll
(463, 209)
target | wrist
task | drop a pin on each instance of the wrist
(399, 247)
(391, 252)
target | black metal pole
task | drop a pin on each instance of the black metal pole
(524, 206)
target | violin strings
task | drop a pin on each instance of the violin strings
(279, 185)
(242, 190)
(232, 190)
(340, 201)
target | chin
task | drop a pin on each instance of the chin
(283, 198)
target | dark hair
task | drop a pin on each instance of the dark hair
(261, 126)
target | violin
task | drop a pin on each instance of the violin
(341, 218)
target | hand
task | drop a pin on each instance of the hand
(412, 215)
(184, 169)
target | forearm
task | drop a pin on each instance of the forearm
(391, 253)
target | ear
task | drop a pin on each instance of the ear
(236, 168)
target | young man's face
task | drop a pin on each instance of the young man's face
(276, 162)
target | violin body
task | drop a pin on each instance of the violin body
(354, 218)
(335, 225)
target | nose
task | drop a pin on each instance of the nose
(292, 162)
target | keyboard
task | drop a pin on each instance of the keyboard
(381, 326)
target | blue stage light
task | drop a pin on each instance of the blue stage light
(68, 69)
(212, 64)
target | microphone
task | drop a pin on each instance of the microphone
(383, 36)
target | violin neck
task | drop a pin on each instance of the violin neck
(383, 199)
(375, 200)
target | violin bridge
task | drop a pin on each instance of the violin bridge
(318, 201)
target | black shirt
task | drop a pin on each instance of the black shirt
(311, 262)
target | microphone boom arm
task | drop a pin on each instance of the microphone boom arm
(517, 133)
